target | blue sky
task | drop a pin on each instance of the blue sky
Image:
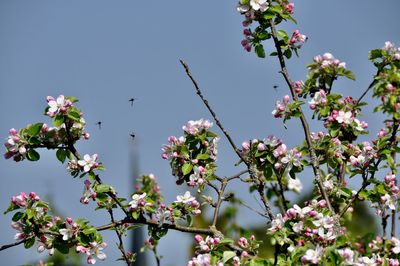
(105, 52)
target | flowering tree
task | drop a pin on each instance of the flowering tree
(313, 232)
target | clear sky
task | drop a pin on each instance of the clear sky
(105, 52)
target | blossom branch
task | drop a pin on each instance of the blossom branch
(306, 128)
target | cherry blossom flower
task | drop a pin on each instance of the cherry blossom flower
(89, 162)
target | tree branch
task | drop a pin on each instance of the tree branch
(227, 135)
(12, 245)
(306, 128)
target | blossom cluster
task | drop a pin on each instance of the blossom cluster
(21, 144)
(192, 156)
(286, 109)
(384, 196)
(323, 71)
(34, 224)
(272, 152)
(297, 39)
(88, 192)
(361, 154)
(328, 60)
(208, 252)
(262, 11)
(85, 165)
(59, 105)
(392, 50)
(281, 107)
(187, 204)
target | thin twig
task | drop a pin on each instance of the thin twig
(227, 135)
(251, 208)
(221, 191)
(306, 128)
(198, 91)
(121, 242)
(369, 87)
(237, 175)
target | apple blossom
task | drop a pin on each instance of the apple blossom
(138, 200)
(59, 105)
(295, 184)
(89, 162)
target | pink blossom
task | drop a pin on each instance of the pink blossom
(194, 127)
(297, 39)
(290, 8)
(20, 200)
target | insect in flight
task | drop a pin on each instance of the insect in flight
(132, 100)
(132, 135)
(99, 124)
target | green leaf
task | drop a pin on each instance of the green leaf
(103, 188)
(135, 215)
(259, 50)
(89, 231)
(283, 35)
(202, 156)
(74, 116)
(288, 53)
(61, 155)
(29, 242)
(187, 168)
(17, 216)
(373, 54)
(263, 35)
(72, 99)
(62, 248)
(58, 120)
(11, 208)
(268, 15)
(35, 129)
(32, 155)
(228, 255)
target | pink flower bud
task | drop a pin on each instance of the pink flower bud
(245, 145)
(198, 238)
(286, 98)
